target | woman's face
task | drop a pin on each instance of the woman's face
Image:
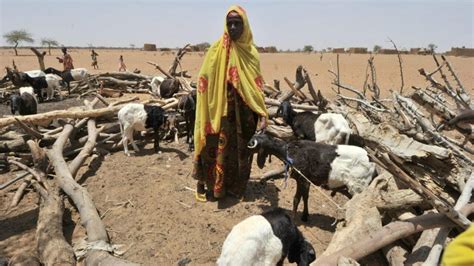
(235, 26)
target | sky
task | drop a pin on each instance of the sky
(284, 24)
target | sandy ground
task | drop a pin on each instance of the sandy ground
(162, 224)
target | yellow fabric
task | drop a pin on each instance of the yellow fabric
(227, 61)
(460, 252)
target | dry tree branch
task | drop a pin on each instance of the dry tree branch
(435, 253)
(400, 63)
(389, 234)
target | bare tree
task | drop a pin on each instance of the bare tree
(50, 43)
(15, 37)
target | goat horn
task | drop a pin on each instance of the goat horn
(252, 144)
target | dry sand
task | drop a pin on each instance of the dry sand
(165, 224)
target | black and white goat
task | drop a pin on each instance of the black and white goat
(323, 164)
(25, 103)
(266, 239)
(139, 117)
(187, 107)
(168, 88)
(326, 128)
(76, 74)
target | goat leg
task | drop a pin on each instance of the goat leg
(305, 191)
(297, 198)
(156, 140)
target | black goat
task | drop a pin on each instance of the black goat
(327, 128)
(38, 84)
(187, 106)
(323, 164)
(69, 75)
(266, 239)
(24, 104)
(169, 87)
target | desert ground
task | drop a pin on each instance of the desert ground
(144, 200)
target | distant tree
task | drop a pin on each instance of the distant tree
(432, 47)
(202, 46)
(15, 37)
(271, 49)
(376, 48)
(50, 43)
(308, 48)
(132, 46)
(298, 50)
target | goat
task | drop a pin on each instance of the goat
(266, 239)
(323, 164)
(139, 117)
(155, 85)
(187, 106)
(38, 83)
(326, 128)
(25, 103)
(168, 88)
(76, 74)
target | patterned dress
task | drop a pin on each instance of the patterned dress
(225, 162)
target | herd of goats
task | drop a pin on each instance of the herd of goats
(405, 160)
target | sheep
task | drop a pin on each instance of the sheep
(326, 128)
(76, 74)
(139, 117)
(187, 106)
(323, 164)
(266, 239)
(25, 103)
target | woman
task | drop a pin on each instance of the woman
(230, 104)
(122, 64)
(94, 55)
(66, 60)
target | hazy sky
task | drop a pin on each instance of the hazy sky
(285, 24)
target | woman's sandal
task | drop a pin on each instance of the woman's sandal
(200, 194)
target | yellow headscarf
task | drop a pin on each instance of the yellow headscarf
(227, 61)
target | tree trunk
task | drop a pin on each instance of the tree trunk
(14, 48)
(52, 247)
(49, 49)
(40, 57)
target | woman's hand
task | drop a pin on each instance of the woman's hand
(263, 123)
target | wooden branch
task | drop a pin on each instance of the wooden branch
(35, 134)
(388, 234)
(87, 149)
(449, 91)
(179, 55)
(28, 169)
(90, 219)
(442, 234)
(160, 69)
(460, 91)
(388, 161)
(53, 249)
(38, 118)
(40, 57)
(292, 87)
(300, 82)
(364, 103)
(295, 106)
(432, 105)
(412, 109)
(312, 92)
(400, 64)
